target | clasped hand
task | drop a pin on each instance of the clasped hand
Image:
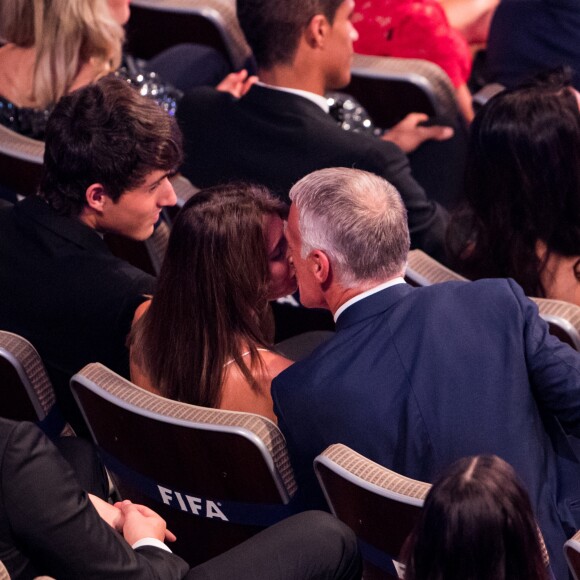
(132, 520)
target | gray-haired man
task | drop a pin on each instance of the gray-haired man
(416, 378)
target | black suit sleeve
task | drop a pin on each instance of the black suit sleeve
(55, 525)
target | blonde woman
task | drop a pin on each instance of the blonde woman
(56, 46)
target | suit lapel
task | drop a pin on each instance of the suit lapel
(372, 305)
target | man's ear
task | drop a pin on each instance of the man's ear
(320, 265)
(95, 196)
(316, 31)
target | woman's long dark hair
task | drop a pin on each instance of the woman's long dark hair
(211, 298)
(477, 524)
(522, 184)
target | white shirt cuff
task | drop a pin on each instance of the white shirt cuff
(150, 542)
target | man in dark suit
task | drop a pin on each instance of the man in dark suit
(281, 130)
(49, 525)
(108, 156)
(416, 378)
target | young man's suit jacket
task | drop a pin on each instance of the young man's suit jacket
(48, 525)
(275, 138)
(63, 290)
(416, 378)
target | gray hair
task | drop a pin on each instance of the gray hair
(357, 218)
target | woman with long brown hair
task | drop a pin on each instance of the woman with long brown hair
(204, 337)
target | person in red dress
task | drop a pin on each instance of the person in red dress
(416, 29)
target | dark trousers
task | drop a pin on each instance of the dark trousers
(310, 545)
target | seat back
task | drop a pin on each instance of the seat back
(20, 162)
(381, 506)
(159, 24)
(423, 270)
(390, 88)
(562, 317)
(482, 97)
(572, 553)
(27, 393)
(217, 477)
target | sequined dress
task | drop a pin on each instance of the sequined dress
(32, 122)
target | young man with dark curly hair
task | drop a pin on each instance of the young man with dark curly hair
(109, 153)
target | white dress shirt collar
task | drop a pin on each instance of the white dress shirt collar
(316, 99)
(367, 293)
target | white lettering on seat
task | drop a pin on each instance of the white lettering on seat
(197, 506)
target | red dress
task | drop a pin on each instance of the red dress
(412, 29)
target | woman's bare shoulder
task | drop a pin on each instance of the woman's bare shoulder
(275, 363)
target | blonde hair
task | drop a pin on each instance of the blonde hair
(66, 34)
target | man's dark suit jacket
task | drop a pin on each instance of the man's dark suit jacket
(63, 290)
(416, 378)
(49, 526)
(275, 138)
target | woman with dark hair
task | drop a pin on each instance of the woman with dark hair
(477, 524)
(522, 218)
(205, 336)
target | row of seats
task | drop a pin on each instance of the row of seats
(230, 468)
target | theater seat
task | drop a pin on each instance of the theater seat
(381, 506)
(20, 163)
(27, 393)
(159, 24)
(216, 476)
(390, 88)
